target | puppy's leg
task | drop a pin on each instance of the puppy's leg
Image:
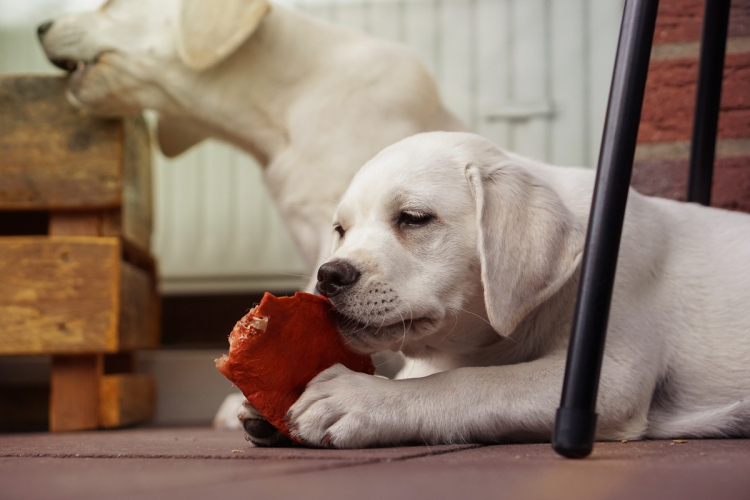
(344, 409)
(226, 416)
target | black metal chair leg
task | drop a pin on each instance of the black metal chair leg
(576, 418)
(707, 100)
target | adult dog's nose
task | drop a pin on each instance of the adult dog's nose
(43, 28)
(335, 276)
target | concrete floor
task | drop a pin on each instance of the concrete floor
(200, 463)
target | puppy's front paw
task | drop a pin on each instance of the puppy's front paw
(344, 409)
(258, 430)
(226, 416)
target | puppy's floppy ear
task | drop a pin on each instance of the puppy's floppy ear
(210, 30)
(177, 135)
(529, 242)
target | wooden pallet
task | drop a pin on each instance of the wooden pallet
(82, 289)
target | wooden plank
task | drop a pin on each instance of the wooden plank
(139, 310)
(136, 196)
(59, 294)
(53, 155)
(101, 223)
(75, 223)
(74, 392)
(125, 399)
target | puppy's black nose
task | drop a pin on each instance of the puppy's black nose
(335, 276)
(43, 28)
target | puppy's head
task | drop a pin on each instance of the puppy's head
(124, 57)
(435, 223)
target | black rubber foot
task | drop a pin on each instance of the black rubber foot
(574, 432)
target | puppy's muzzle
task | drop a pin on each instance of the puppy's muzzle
(335, 277)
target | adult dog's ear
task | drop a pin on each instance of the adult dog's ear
(529, 242)
(177, 135)
(209, 31)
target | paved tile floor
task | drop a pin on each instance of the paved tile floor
(200, 463)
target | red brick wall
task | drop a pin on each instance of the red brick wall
(667, 117)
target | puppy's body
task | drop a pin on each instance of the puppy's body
(311, 101)
(467, 258)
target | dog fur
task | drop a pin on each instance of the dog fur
(466, 258)
(311, 101)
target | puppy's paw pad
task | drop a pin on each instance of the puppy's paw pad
(258, 429)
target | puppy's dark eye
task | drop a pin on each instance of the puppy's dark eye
(339, 230)
(414, 218)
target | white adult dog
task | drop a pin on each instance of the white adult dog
(311, 101)
(466, 258)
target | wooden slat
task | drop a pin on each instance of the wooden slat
(55, 157)
(59, 294)
(75, 223)
(139, 310)
(125, 399)
(136, 204)
(74, 392)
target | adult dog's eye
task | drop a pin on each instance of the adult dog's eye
(339, 230)
(414, 218)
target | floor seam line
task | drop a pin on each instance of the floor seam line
(237, 457)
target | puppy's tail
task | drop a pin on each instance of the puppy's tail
(728, 421)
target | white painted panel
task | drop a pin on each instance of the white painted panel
(456, 71)
(529, 76)
(353, 15)
(421, 27)
(386, 20)
(604, 26)
(570, 82)
(217, 228)
(493, 70)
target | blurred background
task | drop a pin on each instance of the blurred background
(531, 75)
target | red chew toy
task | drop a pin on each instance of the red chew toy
(282, 344)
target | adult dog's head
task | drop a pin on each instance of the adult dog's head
(132, 55)
(434, 224)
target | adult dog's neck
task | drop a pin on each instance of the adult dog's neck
(246, 99)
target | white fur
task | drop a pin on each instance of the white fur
(486, 288)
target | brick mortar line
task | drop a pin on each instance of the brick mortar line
(681, 50)
(680, 150)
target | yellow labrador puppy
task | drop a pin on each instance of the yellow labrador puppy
(466, 258)
(311, 101)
